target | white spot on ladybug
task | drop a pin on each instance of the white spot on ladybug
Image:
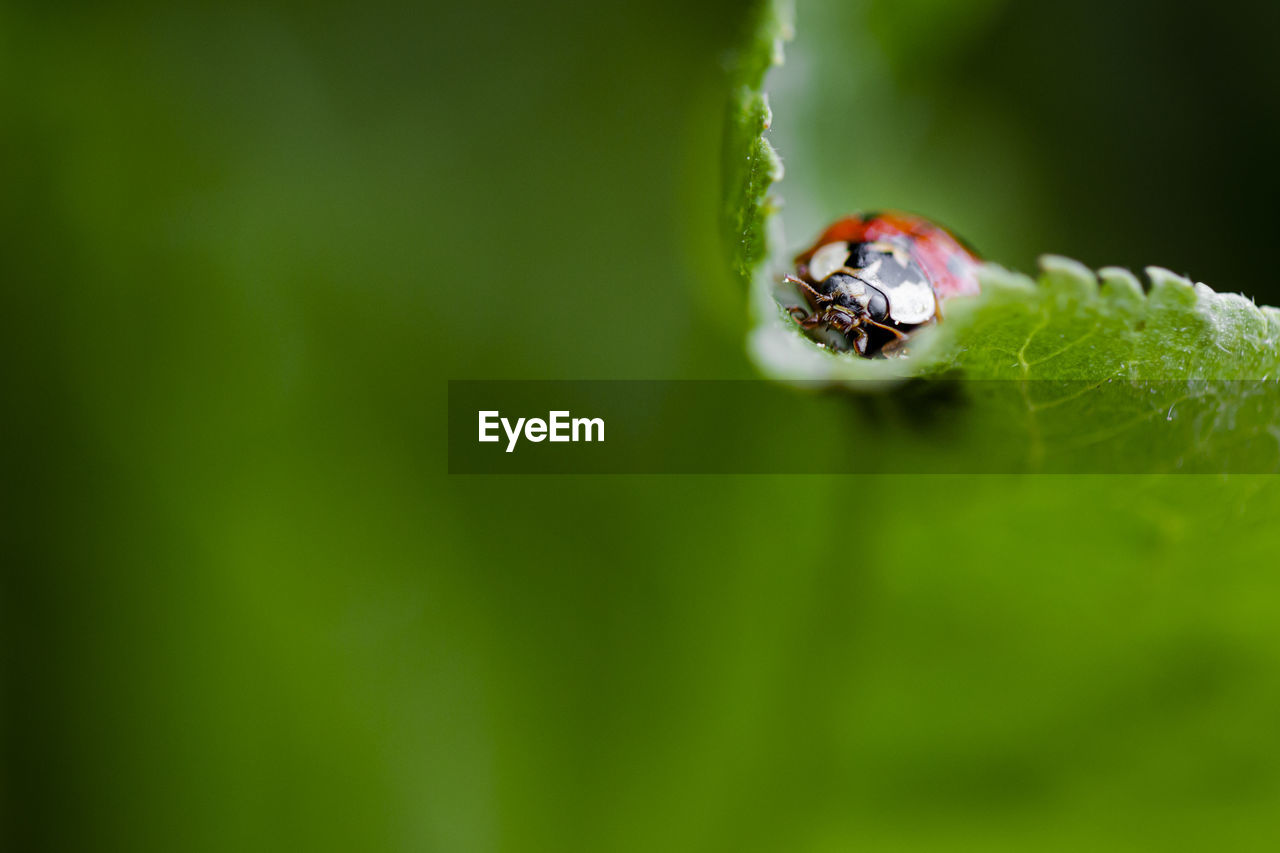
(871, 270)
(912, 302)
(827, 260)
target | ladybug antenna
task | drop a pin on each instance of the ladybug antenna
(808, 289)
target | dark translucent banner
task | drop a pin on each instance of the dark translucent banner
(961, 427)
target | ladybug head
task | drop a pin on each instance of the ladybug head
(843, 294)
(858, 291)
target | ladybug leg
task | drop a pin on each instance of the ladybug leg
(804, 318)
(820, 317)
(860, 339)
(899, 337)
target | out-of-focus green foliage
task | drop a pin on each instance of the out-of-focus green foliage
(244, 607)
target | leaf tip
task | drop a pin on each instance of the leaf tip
(1169, 288)
(996, 278)
(1236, 315)
(1068, 277)
(1120, 286)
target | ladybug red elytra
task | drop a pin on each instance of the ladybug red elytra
(872, 278)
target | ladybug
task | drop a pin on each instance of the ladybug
(872, 278)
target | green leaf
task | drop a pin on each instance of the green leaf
(1074, 325)
(1069, 371)
(1104, 376)
(751, 166)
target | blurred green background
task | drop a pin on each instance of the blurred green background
(245, 244)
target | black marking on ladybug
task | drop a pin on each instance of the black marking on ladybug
(878, 307)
